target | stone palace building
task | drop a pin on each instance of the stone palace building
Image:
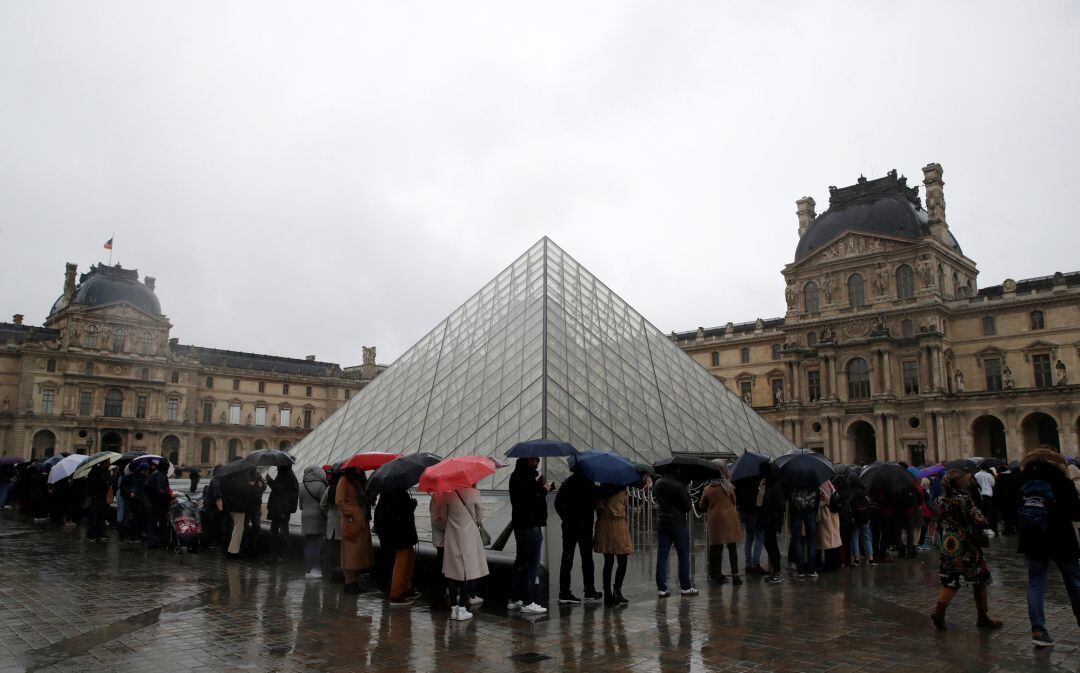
(890, 350)
(103, 373)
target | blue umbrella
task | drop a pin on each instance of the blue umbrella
(541, 448)
(748, 465)
(603, 467)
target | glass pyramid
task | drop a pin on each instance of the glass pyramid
(543, 350)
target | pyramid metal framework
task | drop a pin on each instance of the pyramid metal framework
(543, 350)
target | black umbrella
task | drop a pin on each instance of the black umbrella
(995, 463)
(541, 448)
(269, 458)
(401, 473)
(748, 465)
(126, 458)
(965, 464)
(805, 468)
(887, 477)
(694, 469)
(235, 467)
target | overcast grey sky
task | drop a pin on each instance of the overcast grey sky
(313, 177)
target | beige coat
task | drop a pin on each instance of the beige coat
(464, 557)
(718, 499)
(356, 552)
(612, 534)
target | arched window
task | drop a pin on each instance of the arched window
(234, 449)
(170, 448)
(114, 403)
(744, 355)
(144, 374)
(146, 343)
(259, 444)
(811, 302)
(118, 340)
(284, 445)
(856, 291)
(1037, 320)
(858, 372)
(905, 282)
(907, 328)
(44, 444)
(89, 337)
(715, 359)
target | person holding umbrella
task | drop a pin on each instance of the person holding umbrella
(718, 499)
(770, 520)
(131, 487)
(574, 503)
(745, 475)
(354, 506)
(97, 494)
(156, 496)
(194, 474)
(612, 539)
(395, 524)
(464, 559)
(213, 507)
(672, 497)
(284, 495)
(312, 519)
(528, 516)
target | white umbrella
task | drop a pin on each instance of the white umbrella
(93, 460)
(66, 467)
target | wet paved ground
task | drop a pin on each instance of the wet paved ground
(68, 605)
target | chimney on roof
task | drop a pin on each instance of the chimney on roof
(174, 342)
(310, 358)
(150, 281)
(69, 280)
(935, 201)
(17, 318)
(804, 208)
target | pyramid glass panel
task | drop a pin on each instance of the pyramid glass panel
(543, 350)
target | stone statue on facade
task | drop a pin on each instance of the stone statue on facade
(828, 286)
(1061, 378)
(1009, 285)
(826, 335)
(778, 396)
(791, 293)
(747, 398)
(1007, 378)
(959, 381)
(881, 279)
(926, 271)
(369, 354)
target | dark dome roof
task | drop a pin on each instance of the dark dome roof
(886, 206)
(111, 284)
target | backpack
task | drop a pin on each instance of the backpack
(905, 498)
(804, 499)
(1037, 504)
(861, 510)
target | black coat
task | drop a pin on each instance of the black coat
(746, 492)
(284, 494)
(528, 498)
(771, 515)
(672, 501)
(1059, 541)
(576, 500)
(395, 523)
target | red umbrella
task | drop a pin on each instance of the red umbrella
(369, 461)
(454, 473)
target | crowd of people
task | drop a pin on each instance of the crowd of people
(841, 524)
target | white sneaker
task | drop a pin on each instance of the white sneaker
(689, 592)
(533, 609)
(460, 614)
(513, 605)
(314, 574)
(475, 601)
(990, 533)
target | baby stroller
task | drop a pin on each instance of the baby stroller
(184, 525)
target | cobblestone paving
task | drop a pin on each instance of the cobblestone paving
(69, 605)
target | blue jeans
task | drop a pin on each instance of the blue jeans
(526, 564)
(861, 532)
(679, 536)
(1037, 571)
(312, 551)
(804, 530)
(753, 540)
(4, 487)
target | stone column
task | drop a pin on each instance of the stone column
(879, 437)
(826, 377)
(932, 449)
(946, 451)
(943, 378)
(796, 382)
(842, 386)
(924, 372)
(838, 438)
(886, 372)
(894, 448)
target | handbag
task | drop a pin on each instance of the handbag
(485, 537)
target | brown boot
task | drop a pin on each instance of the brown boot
(982, 601)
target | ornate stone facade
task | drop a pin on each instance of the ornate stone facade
(890, 351)
(103, 373)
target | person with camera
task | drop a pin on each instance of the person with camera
(528, 504)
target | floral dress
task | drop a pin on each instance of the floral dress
(962, 561)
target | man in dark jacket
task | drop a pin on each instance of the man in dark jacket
(528, 516)
(213, 506)
(395, 524)
(1047, 507)
(156, 494)
(284, 496)
(673, 504)
(771, 518)
(575, 504)
(131, 490)
(746, 497)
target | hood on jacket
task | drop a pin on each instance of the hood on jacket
(1046, 456)
(314, 473)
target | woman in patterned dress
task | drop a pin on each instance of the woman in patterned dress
(958, 523)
